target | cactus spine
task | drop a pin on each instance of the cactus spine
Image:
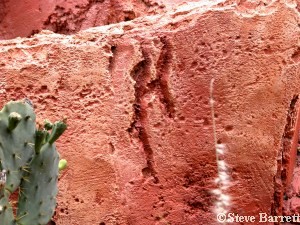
(29, 162)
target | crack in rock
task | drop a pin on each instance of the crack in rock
(139, 74)
(283, 159)
(142, 75)
(163, 70)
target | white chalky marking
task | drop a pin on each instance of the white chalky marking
(222, 204)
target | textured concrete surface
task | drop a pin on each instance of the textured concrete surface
(138, 96)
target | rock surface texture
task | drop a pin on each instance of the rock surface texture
(139, 98)
(25, 18)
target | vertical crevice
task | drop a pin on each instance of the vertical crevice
(113, 50)
(284, 159)
(164, 67)
(140, 74)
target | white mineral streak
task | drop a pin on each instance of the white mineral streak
(222, 204)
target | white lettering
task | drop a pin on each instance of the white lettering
(296, 219)
(230, 217)
(263, 217)
(252, 219)
(288, 219)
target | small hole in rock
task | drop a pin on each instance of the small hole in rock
(205, 121)
(113, 48)
(228, 127)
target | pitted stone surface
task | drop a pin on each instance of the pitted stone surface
(140, 144)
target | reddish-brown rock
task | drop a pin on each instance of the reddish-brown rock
(139, 95)
(25, 18)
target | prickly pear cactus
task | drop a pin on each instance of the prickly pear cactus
(29, 162)
(17, 131)
(6, 215)
(38, 194)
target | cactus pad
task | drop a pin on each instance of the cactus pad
(6, 212)
(37, 200)
(17, 131)
(29, 162)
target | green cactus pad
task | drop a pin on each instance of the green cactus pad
(17, 131)
(37, 200)
(14, 119)
(58, 128)
(48, 125)
(6, 212)
(40, 139)
(29, 162)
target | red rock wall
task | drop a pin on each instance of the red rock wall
(25, 18)
(140, 143)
